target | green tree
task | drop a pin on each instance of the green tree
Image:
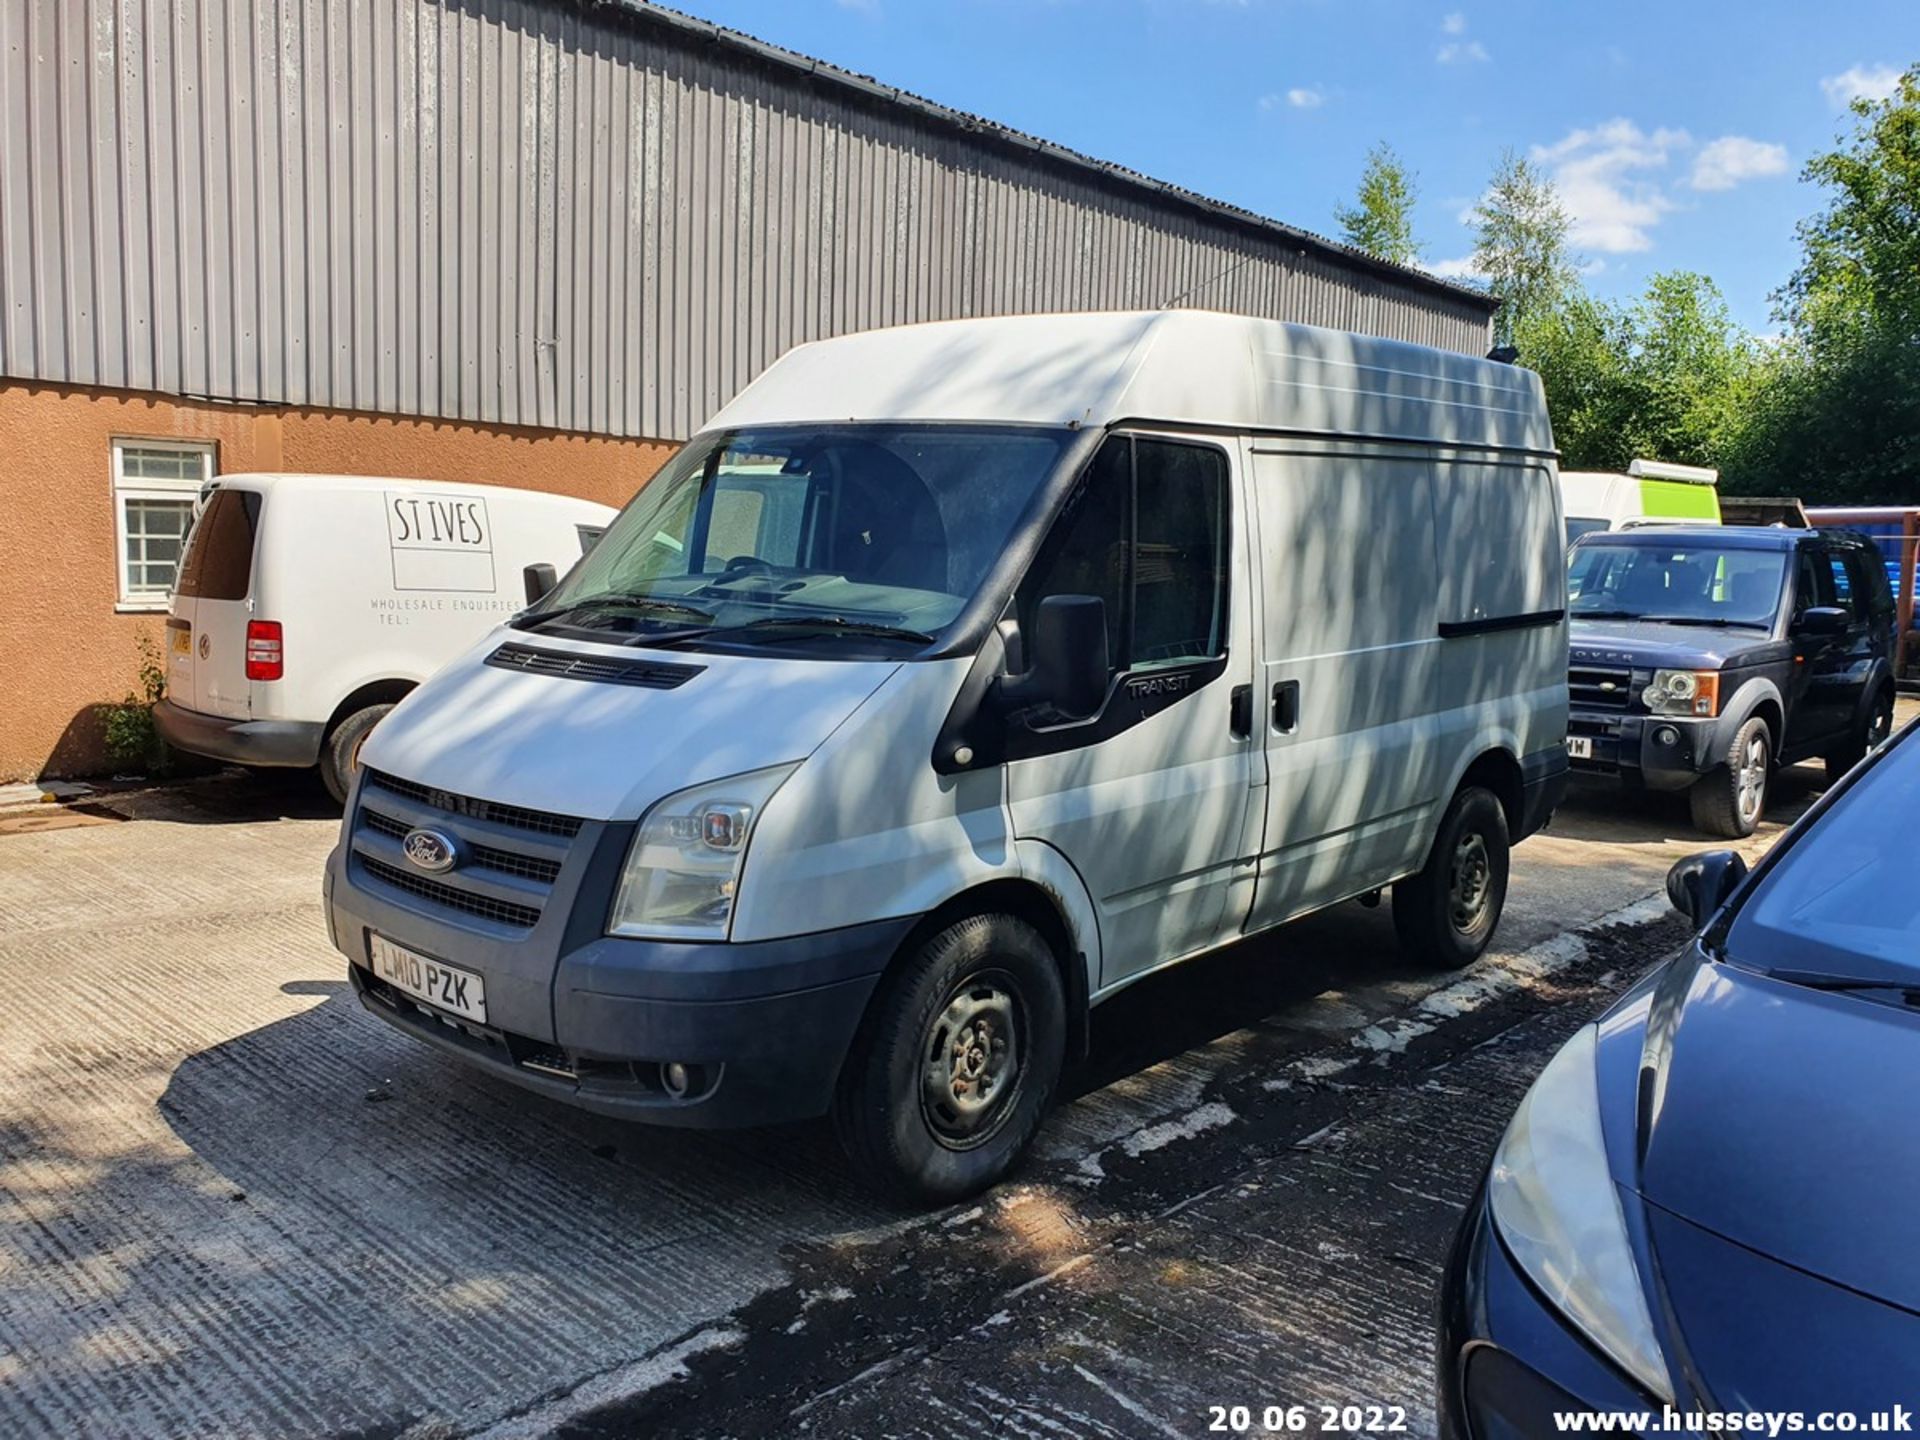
(1669, 377)
(1860, 260)
(1520, 246)
(1838, 417)
(1380, 221)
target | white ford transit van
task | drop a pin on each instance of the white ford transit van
(953, 678)
(307, 605)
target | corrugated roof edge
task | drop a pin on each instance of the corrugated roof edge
(871, 89)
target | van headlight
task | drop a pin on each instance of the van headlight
(683, 868)
(1555, 1205)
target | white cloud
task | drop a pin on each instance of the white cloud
(1454, 24)
(1301, 97)
(1604, 175)
(1724, 163)
(1860, 82)
(1462, 52)
(1460, 269)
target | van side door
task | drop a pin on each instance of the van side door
(1149, 799)
(1349, 669)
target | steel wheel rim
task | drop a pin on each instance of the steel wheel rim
(972, 1060)
(1752, 779)
(1469, 882)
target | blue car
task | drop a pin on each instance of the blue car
(1710, 1199)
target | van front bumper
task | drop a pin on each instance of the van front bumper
(240, 742)
(761, 1029)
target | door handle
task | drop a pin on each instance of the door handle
(1286, 706)
(1240, 712)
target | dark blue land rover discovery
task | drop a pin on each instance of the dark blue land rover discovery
(1701, 658)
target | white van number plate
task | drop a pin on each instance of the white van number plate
(1579, 747)
(442, 986)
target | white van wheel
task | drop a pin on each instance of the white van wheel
(1446, 914)
(340, 756)
(955, 1062)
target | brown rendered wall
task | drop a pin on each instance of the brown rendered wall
(66, 650)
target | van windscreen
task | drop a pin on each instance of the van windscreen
(219, 558)
(864, 532)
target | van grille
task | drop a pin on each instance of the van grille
(1599, 688)
(536, 820)
(648, 674)
(506, 862)
(522, 917)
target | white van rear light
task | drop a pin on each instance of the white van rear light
(266, 657)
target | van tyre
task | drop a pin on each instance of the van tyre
(955, 1062)
(340, 755)
(1869, 735)
(1446, 914)
(1729, 800)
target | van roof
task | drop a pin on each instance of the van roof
(1193, 367)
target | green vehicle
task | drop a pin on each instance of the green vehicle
(1650, 493)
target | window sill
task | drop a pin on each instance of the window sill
(141, 607)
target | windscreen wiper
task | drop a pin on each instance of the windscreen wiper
(1717, 622)
(1604, 615)
(805, 625)
(638, 604)
(1908, 991)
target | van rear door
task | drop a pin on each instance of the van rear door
(212, 597)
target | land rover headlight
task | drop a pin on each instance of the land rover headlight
(1556, 1207)
(683, 867)
(1683, 692)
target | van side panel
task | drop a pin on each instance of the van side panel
(1350, 655)
(867, 829)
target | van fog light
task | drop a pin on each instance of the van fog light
(1666, 735)
(675, 1077)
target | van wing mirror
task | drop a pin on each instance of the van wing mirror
(1067, 653)
(538, 579)
(1821, 620)
(1700, 884)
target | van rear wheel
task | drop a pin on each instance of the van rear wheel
(340, 755)
(955, 1062)
(1445, 915)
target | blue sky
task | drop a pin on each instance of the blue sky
(1676, 130)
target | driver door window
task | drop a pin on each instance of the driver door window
(1147, 532)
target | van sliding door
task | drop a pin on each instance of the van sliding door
(1350, 661)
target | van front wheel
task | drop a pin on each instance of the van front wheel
(955, 1062)
(1445, 915)
(340, 755)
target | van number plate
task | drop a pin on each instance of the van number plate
(1579, 747)
(440, 985)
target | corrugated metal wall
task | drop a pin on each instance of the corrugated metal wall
(533, 214)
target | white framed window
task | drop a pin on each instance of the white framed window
(155, 486)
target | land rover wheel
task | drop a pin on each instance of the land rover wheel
(955, 1062)
(340, 754)
(1869, 735)
(1729, 800)
(1445, 915)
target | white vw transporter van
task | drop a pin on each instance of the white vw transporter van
(953, 678)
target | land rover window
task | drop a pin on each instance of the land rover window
(1146, 532)
(1815, 587)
